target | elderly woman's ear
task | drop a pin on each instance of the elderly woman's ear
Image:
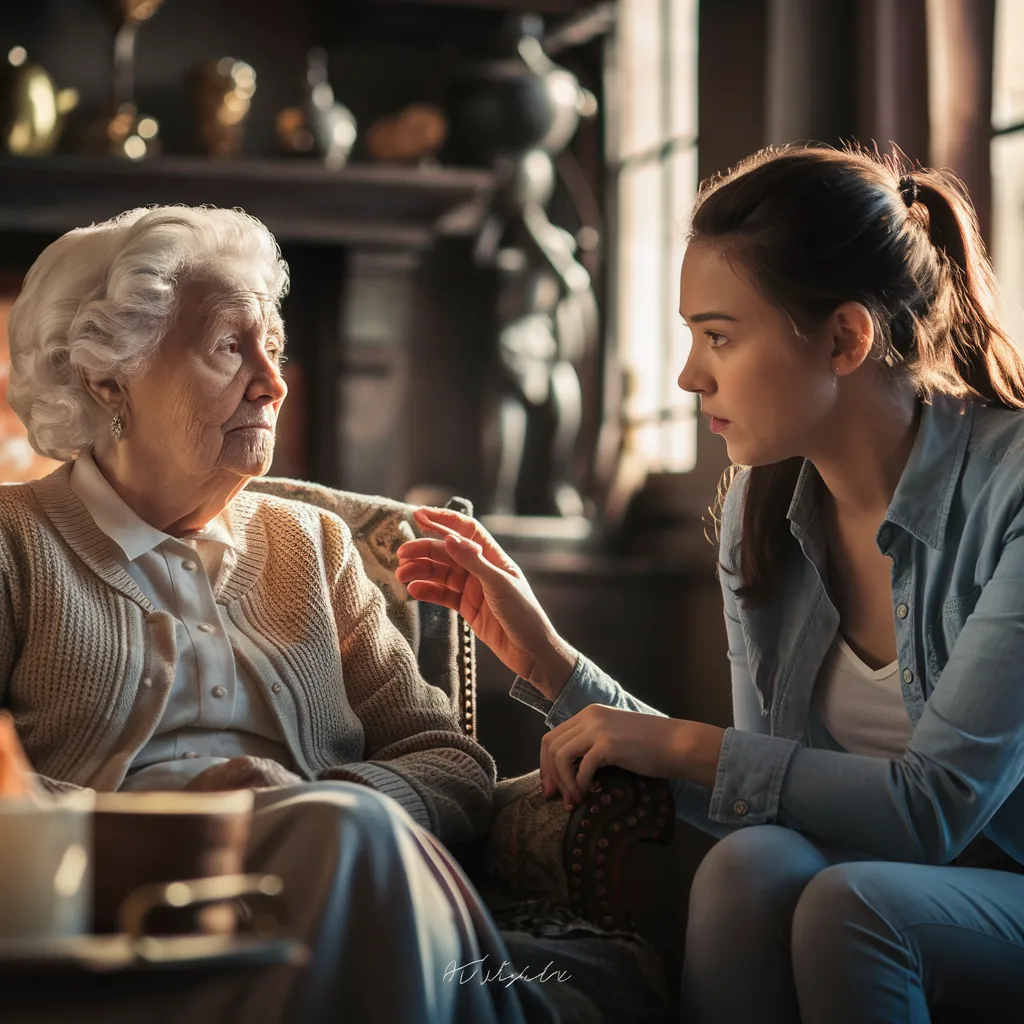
(112, 398)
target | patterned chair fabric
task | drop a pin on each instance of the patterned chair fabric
(443, 643)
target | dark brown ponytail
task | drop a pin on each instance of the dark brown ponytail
(911, 253)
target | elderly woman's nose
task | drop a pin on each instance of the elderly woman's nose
(267, 380)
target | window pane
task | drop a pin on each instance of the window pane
(1008, 79)
(655, 101)
(642, 302)
(1008, 229)
(639, 55)
(679, 446)
(681, 174)
(682, 105)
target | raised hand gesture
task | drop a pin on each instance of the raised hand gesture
(464, 569)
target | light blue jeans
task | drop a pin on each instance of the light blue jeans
(783, 930)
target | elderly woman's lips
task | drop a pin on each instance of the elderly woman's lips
(251, 426)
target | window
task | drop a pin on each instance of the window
(1008, 164)
(652, 154)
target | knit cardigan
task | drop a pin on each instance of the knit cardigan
(87, 662)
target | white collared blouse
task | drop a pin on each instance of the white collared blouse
(214, 711)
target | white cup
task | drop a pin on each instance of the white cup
(45, 867)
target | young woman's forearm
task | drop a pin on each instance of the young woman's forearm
(697, 749)
(553, 668)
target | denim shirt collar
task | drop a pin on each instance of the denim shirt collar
(925, 491)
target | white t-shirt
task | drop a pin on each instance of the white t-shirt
(862, 708)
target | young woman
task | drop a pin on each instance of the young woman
(846, 346)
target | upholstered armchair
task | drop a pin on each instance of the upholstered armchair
(535, 851)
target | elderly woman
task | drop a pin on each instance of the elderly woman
(161, 627)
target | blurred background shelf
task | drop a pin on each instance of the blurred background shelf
(300, 201)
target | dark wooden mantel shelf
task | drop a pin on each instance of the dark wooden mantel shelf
(299, 200)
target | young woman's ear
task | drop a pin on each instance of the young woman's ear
(853, 336)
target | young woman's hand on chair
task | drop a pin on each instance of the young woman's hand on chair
(646, 744)
(464, 569)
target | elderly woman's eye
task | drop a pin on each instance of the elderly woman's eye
(229, 345)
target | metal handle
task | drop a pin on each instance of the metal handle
(195, 892)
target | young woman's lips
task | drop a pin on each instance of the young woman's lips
(717, 425)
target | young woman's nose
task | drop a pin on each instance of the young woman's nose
(693, 378)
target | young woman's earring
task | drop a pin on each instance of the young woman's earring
(117, 426)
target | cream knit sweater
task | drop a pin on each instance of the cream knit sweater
(87, 663)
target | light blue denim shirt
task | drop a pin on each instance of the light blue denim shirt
(955, 533)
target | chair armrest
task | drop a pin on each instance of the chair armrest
(535, 849)
(620, 810)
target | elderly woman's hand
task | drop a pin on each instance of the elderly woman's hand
(243, 773)
(467, 571)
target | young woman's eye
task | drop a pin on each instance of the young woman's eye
(717, 340)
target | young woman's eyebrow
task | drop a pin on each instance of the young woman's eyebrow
(702, 318)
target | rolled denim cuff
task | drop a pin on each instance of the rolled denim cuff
(587, 685)
(575, 696)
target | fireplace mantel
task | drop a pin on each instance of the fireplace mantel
(365, 205)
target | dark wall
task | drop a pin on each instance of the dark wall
(731, 66)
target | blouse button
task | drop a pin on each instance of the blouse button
(204, 627)
(218, 691)
(908, 676)
(189, 566)
(146, 681)
(190, 754)
(276, 688)
(740, 807)
(901, 611)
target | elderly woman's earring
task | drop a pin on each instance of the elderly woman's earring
(116, 426)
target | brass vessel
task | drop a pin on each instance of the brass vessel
(34, 108)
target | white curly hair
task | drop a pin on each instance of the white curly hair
(98, 301)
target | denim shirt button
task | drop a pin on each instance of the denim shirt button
(740, 807)
(901, 611)
(908, 676)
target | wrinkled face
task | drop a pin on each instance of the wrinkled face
(207, 406)
(767, 389)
